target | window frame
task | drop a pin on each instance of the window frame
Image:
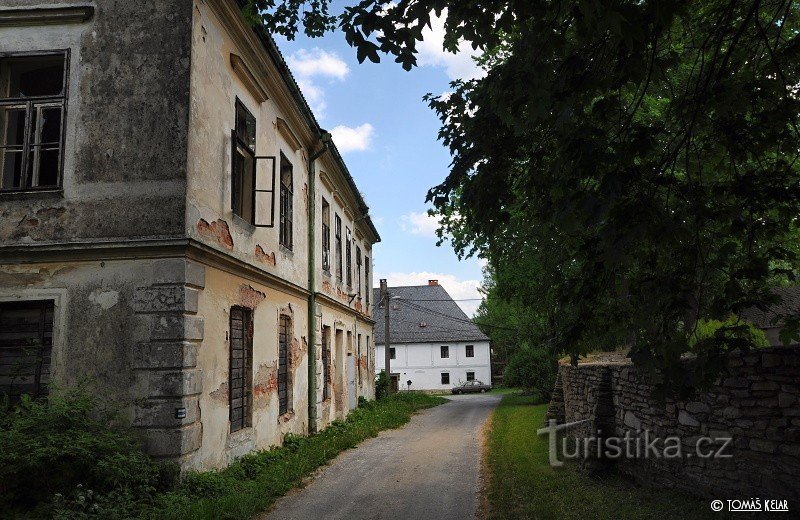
(326, 362)
(348, 257)
(367, 287)
(469, 351)
(443, 376)
(286, 201)
(392, 353)
(247, 369)
(358, 271)
(237, 142)
(326, 236)
(45, 348)
(28, 103)
(338, 246)
(473, 377)
(285, 325)
(444, 351)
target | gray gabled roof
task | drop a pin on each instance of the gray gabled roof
(423, 314)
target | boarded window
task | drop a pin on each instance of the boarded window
(445, 378)
(470, 350)
(326, 363)
(326, 236)
(284, 340)
(470, 376)
(287, 203)
(241, 368)
(243, 168)
(33, 97)
(444, 351)
(26, 341)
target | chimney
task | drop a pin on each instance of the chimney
(433, 282)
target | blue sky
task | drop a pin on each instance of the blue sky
(388, 137)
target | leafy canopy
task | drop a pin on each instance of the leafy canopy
(641, 154)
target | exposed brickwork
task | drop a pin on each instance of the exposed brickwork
(756, 402)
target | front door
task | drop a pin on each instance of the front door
(352, 396)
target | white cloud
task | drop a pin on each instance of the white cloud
(308, 65)
(457, 289)
(431, 52)
(317, 62)
(420, 224)
(349, 139)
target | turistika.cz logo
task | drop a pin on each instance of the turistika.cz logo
(642, 444)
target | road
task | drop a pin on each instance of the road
(428, 469)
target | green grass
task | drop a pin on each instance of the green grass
(253, 483)
(523, 485)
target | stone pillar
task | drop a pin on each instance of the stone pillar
(167, 379)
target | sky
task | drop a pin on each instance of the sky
(388, 138)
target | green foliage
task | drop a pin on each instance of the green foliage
(533, 370)
(67, 456)
(731, 330)
(639, 156)
(382, 383)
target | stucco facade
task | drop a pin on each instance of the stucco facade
(138, 249)
(423, 365)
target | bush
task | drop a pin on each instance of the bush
(67, 454)
(532, 369)
(382, 385)
(733, 331)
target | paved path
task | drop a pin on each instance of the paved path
(428, 469)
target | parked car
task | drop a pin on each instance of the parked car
(471, 386)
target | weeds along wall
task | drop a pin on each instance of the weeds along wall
(756, 403)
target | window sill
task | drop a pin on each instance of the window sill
(285, 250)
(32, 193)
(326, 274)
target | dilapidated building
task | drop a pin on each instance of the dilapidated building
(177, 233)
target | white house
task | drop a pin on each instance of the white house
(433, 344)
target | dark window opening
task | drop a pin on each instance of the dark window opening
(470, 350)
(358, 271)
(287, 203)
(367, 285)
(240, 379)
(444, 351)
(348, 257)
(470, 376)
(32, 104)
(326, 236)
(26, 342)
(338, 238)
(445, 378)
(243, 168)
(326, 363)
(284, 340)
(391, 353)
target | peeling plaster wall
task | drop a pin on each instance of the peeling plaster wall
(126, 126)
(223, 291)
(127, 330)
(210, 219)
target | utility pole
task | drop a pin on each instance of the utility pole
(387, 343)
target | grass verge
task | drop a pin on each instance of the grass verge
(253, 483)
(523, 485)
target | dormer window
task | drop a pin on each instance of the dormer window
(33, 97)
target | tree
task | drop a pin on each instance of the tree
(643, 154)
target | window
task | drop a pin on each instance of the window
(287, 190)
(26, 341)
(358, 271)
(284, 338)
(338, 238)
(326, 362)
(445, 378)
(391, 353)
(470, 350)
(444, 351)
(33, 98)
(326, 236)
(470, 376)
(349, 257)
(243, 167)
(240, 376)
(358, 358)
(367, 284)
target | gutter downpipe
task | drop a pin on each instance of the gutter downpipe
(312, 285)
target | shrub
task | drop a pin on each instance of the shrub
(382, 385)
(533, 369)
(68, 454)
(733, 331)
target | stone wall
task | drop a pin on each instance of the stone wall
(756, 403)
